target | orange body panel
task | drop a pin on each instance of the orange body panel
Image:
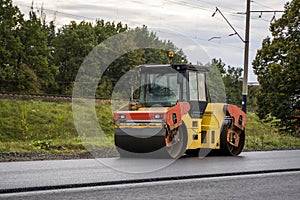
(172, 116)
(240, 118)
(180, 109)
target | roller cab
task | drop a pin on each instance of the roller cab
(172, 115)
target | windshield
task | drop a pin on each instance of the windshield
(159, 89)
(166, 86)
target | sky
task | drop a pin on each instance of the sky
(187, 23)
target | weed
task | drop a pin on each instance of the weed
(42, 144)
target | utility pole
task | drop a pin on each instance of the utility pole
(246, 51)
(246, 59)
(246, 42)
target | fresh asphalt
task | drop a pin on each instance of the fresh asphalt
(259, 175)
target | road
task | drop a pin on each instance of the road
(283, 186)
(252, 175)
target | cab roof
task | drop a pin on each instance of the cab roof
(177, 67)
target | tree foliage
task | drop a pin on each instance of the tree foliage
(36, 53)
(24, 53)
(277, 65)
(11, 48)
(231, 78)
(225, 85)
(139, 37)
(37, 57)
(71, 45)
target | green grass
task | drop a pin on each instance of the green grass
(31, 126)
(35, 126)
(263, 135)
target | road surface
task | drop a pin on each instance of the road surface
(275, 174)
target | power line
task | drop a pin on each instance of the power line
(182, 3)
(246, 42)
(189, 5)
(235, 32)
(246, 51)
(211, 4)
(263, 5)
(56, 11)
(81, 16)
(237, 14)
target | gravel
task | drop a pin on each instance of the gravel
(96, 153)
(31, 156)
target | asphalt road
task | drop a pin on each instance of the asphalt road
(247, 176)
(281, 186)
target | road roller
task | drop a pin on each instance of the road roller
(173, 115)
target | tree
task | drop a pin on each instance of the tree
(24, 53)
(136, 38)
(37, 53)
(35, 58)
(232, 80)
(233, 85)
(72, 43)
(104, 30)
(277, 66)
(11, 48)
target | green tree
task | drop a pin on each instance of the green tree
(233, 85)
(104, 30)
(277, 65)
(11, 48)
(49, 31)
(37, 53)
(28, 82)
(72, 43)
(157, 55)
(232, 80)
(24, 53)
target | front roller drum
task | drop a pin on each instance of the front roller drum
(150, 142)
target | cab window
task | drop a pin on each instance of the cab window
(197, 86)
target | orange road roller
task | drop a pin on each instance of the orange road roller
(172, 115)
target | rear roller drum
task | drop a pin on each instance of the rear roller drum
(231, 141)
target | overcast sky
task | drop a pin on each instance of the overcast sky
(188, 23)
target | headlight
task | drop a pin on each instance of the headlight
(122, 116)
(158, 116)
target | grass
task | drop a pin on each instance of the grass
(31, 126)
(37, 126)
(263, 135)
